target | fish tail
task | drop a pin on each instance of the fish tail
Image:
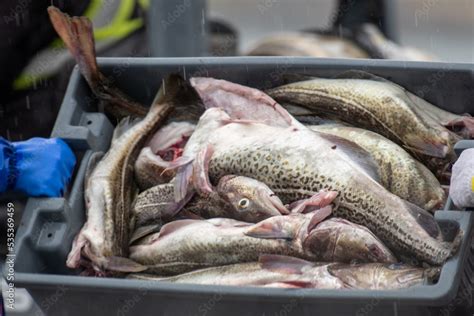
(187, 102)
(77, 35)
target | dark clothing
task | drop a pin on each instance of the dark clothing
(353, 13)
(32, 113)
(25, 30)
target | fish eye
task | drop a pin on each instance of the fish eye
(244, 203)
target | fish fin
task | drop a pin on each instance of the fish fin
(143, 231)
(319, 216)
(122, 264)
(320, 199)
(425, 219)
(178, 91)
(123, 126)
(74, 257)
(283, 264)
(178, 162)
(466, 125)
(425, 147)
(94, 159)
(188, 103)
(267, 230)
(355, 153)
(77, 35)
(222, 94)
(176, 207)
(200, 178)
(182, 178)
(176, 225)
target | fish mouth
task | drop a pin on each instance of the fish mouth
(273, 204)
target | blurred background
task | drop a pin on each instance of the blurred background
(444, 28)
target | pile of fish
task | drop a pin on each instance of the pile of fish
(319, 183)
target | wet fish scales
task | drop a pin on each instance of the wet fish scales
(378, 105)
(294, 171)
(400, 173)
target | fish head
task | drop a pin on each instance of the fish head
(251, 200)
(339, 240)
(380, 276)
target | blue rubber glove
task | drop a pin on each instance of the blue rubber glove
(36, 167)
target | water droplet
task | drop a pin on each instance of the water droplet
(27, 99)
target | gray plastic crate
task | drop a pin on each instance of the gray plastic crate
(49, 225)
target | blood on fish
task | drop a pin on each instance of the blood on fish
(174, 151)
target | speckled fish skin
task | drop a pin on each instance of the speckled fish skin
(109, 191)
(378, 276)
(283, 159)
(236, 197)
(377, 105)
(399, 172)
(252, 274)
(185, 245)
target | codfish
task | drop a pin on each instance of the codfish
(296, 163)
(236, 197)
(379, 105)
(290, 272)
(270, 271)
(109, 190)
(399, 172)
(186, 245)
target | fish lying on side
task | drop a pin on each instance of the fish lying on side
(109, 190)
(399, 172)
(270, 271)
(376, 104)
(290, 272)
(235, 197)
(186, 245)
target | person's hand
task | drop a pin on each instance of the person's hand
(40, 167)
